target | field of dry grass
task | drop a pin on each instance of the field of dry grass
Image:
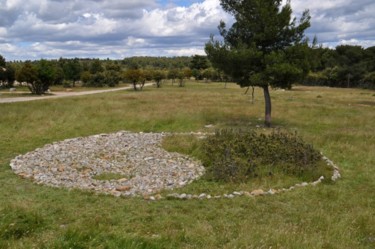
(339, 122)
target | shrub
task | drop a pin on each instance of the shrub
(237, 156)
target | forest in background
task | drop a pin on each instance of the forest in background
(345, 66)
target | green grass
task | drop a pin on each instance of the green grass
(330, 215)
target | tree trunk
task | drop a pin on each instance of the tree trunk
(135, 86)
(267, 100)
(143, 82)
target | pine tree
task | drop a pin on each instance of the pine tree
(264, 47)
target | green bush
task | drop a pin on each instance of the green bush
(237, 156)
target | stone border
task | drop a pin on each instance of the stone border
(254, 193)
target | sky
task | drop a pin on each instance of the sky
(49, 29)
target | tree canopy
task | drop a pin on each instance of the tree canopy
(264, 46)
(345, 66)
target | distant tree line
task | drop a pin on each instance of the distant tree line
(41, 74)
(345, 66)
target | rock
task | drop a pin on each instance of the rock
(122, 180)
(202, 196)
(123, 188)
(336, 175)
(173, 196)
(116, 193)
(315, 183)
(237, 193)
(257, 192)
(72, 163)
(304, 184)
(23, 175)
(271, 192)
(183, 196)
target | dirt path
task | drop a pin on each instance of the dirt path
(64, 94)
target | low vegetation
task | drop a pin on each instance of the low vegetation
(331, 215)
(238, 156)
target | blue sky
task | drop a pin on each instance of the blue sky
(116, 29)
(178, 2)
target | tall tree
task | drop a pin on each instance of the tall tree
(264, 47)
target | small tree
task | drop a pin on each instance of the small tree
(46, 74)
(198, 64)
(135, 77)
(85, 77)
(181, 77)
(112, 74)
(158, 76)
(59, 75)
(10, 75)
(172, 74)
(73, 69)
(264, 47)
(29, 74)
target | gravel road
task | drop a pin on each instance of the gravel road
(64, 94)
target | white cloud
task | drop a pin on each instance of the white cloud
(334, 21)
(113, 28)
(185, 51)
(132, 41)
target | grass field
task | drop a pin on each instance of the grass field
(339, 122)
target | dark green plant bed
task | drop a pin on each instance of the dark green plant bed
(238, 156)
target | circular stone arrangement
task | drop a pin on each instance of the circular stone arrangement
(145, 168)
